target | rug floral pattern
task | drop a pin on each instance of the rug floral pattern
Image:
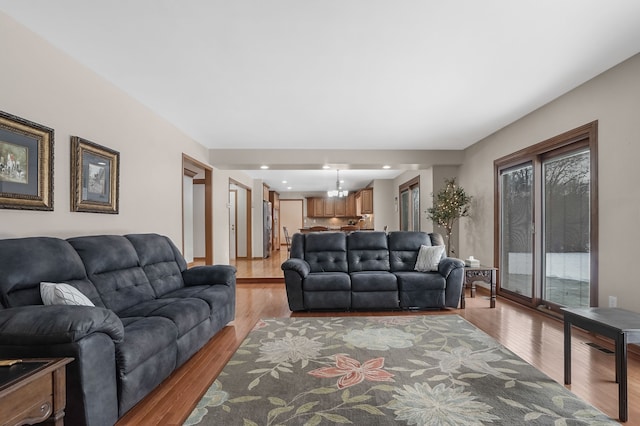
(413, 370)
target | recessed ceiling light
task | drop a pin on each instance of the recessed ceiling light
(289, 187)
(326, 167)
(264, 167)
(386, 166)
(284, 181)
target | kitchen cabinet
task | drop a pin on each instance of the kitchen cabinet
(329, 207)
(340, 207)
(336, 206)
(318, 207)
(350, 205)
(366, 195)
(315, 207)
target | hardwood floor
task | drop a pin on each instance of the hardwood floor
(534, 336)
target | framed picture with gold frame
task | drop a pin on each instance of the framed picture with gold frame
(26, 164)
(95, 177)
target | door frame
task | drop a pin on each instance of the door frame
(188, 165)
(247, 218)
(586, 135)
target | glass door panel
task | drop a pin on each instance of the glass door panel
(566, 279)
(415, 201)
(404, 211)
(516, 257)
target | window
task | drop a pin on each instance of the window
(410, 205)
(546, 205)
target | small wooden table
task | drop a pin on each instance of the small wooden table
(32, 391)
(618, 324)
(485, 274)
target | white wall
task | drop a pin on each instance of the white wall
(42, 84)
(221, 211)
(613, 98)
(383, 207)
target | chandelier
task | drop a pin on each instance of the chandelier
(338, 192)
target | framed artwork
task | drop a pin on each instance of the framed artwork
(26, 164)
(95, 177)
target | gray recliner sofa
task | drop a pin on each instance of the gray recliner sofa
(368, 270)
(151, 314)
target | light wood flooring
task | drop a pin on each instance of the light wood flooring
(535, 337)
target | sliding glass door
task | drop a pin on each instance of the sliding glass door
(516, 223)
(567, 239)
(410, 205)
(547, 222)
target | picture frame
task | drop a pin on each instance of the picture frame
(26, 164)
(95, 177)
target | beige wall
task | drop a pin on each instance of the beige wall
(42, 84)
(613, 98)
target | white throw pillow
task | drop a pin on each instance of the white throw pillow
(429, 258)
(62, 294)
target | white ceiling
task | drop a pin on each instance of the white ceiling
(340, 74)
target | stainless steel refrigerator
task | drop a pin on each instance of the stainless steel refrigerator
(267, 228)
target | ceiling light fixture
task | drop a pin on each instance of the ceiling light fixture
(338, 192)
(264, 167)
(326, 167)
(386, 166)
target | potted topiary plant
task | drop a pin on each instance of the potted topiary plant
(449, 204)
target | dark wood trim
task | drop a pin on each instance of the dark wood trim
(208, 204)
(580, 137)
(407, 186)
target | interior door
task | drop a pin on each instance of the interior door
(233, 237)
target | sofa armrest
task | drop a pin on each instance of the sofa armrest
(452, 270)
(210, 275)
(448, 264)
(298, 265)
(55, 324)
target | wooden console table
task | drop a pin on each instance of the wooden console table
(618, 324)
(485, 274)
(32, 391)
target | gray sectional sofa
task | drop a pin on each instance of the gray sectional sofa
(151, 314)
(368, 270)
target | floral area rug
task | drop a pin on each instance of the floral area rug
(422, 370)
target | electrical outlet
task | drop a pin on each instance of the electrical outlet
(613, 301)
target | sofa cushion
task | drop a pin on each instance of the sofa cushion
(184, 313)
(327, 281)
(326, 251)
(160, 260)
(26, 262)
(112, 264)
(62, 294)
(143, 338)
(420, 281)
(216, 296)
(373, 281)
(404, 247)
(368, 251)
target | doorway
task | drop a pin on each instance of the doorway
(291, 217)
(196, 174)
(239, 220)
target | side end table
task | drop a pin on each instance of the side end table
(33, 390)
(481, 273)
(620, 325)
